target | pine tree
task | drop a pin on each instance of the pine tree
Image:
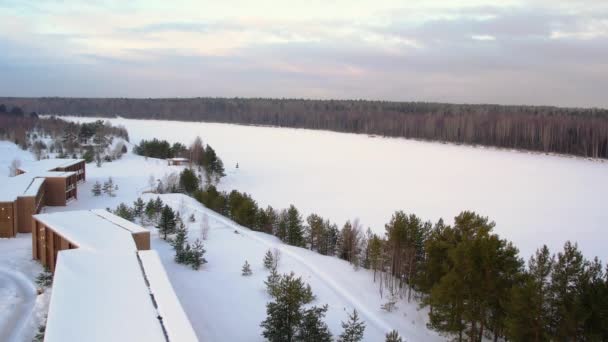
(567, 279)
(108, 187)
(196, 254)
(138, 207)
(246, 270)
(150, 211)
(393, 336)
(313, 231)
(269, 260)
(272, 282)
(124, 211)
(353, 329)
(188, 180)
(96, 189)
(179, 242)
(528, 316)
(295, 228)
(167, 222)
(158, 204)
(285, 313)
(313, 328)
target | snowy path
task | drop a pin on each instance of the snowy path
(20, 295)
(286, 251)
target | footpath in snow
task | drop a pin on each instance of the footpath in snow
(217, 298)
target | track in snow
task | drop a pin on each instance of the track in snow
(339, 290)
(18, 297)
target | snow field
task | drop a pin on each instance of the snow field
(535, 199)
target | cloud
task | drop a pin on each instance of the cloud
(512, 51)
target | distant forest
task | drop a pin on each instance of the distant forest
(573, 131)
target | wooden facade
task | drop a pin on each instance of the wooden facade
(47, 243)
(60, 190)
(8, 219)
(59, 186)
(78, 167)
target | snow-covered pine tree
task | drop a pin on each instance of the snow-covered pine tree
(108, 187)
(196, 255)
(393, 336)
(353, 329)
(268, 260)
(246, 270)
(96, 189)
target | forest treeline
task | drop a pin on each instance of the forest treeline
(574, 131)
(474, 282)
(49, 137)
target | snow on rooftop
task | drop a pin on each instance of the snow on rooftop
(101, 297)
(44, 165)
(32, 189)
(176, 322)
(119, 221)
(21, 185)
(88, 230)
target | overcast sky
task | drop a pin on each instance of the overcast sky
(502, 51)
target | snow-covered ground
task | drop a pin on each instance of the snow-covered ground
(535, 199)
(221, 304)
(21, 308)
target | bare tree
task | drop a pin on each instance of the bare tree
(152, 183)
(12, 169)
(205, 227)
(276, 257)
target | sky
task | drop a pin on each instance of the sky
(536, 52)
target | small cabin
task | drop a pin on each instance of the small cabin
(178, 161)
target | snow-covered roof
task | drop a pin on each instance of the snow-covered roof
(119, 221)
(26, 184)
(105, 290)
(176, 322)
(34, 187)
(21, 185)
(44, 165)
(101, 297)
(88, 230)
(50, 174)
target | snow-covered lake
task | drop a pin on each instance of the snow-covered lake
(535, 199)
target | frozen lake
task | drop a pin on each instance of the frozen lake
(534, 199)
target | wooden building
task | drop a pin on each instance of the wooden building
(107, 283)
(178, 161)
(49, 182)
(21, 197)
(97, 230)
